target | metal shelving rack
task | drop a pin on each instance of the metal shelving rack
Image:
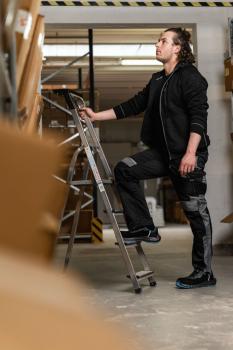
(8, 91)
(90, 199)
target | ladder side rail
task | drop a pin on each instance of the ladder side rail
(147, 273)
(69, 179)
(73, 161)
(99, 148)
(76, 219)
(145, 264)
(124, 252)
(106, 201)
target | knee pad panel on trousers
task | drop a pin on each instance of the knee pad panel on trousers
(195, 203)
(129, 161)
(198, 215)
(122, 169)
(190, 205)
(196, 209)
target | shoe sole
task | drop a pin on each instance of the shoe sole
(129, 241)
(148, 240)
(180, 285)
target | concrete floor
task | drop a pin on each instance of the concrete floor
(163, 317)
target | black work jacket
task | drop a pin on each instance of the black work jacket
(182, 108)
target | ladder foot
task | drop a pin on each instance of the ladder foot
(153, 284)
(138, 290)
(67, 260)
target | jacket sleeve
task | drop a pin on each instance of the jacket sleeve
(194, 87)
(133, 106)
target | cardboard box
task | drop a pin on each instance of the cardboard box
(44, 309)
(26, 187)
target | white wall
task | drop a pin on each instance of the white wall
(211, 38)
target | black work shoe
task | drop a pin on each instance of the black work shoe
(144, 234)
(197, 279)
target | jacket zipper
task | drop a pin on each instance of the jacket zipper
(160, 110)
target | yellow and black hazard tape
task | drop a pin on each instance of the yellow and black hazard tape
(137, 3)
(97, 230)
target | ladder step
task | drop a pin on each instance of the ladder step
(129, 245)
(107, 181)
(114, 211)
(143, 274)
(90, 182)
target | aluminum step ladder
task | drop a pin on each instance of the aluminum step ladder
(92, 145)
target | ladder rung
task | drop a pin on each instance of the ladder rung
(114, 211)
(143, 274)
(107, 181)
(89, 182)
(129, 245)
(81, 182)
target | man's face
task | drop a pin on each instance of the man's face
(166, 50)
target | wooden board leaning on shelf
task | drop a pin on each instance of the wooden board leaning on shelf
(59, 86)
(30, 124)
(228, 219)
(32, 70)
(27, 15)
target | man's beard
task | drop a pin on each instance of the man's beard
(162, 60)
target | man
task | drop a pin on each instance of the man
(175, 130)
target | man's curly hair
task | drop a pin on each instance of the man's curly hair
(183, 38)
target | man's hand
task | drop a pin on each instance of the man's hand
(103, 115)
(189, 160)
(88, 112)
(187, 164)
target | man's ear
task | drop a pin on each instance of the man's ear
(177, 49)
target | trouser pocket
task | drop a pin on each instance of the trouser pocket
(197, 173)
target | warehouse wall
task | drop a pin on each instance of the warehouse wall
(211, 39)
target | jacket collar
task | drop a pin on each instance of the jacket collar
(179, 65)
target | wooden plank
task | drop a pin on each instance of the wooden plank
(24, 40)
(228, 219)
(30, 126)
(32, 71)
(59, 86)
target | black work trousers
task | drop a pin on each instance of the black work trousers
(190, 189)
